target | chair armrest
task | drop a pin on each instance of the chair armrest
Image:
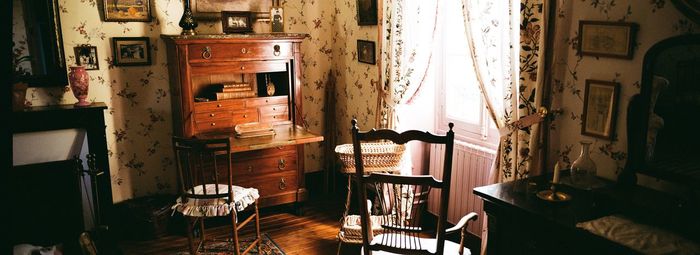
(462, 223)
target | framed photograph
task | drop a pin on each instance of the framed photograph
(600, 108)
(127, 10)
(236, 22)
(365, 52)
(86, 55)
(606, 39)
(366, 12)
(211, 9)
(277, 19)
(131, 51)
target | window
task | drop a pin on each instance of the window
(459, 99)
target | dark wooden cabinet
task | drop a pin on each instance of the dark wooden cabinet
(199, 65)
(521, 223)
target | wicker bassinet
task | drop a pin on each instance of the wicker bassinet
(377, 157)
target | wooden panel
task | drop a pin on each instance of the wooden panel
(273, 117)
(263, 101)
(230, 104)
(239, 51)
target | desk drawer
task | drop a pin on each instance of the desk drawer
(255, 167)
(272, 184)
(212, 116)
(206, 126)
(231, 104)
(264, 101)
(239, 51)
(244, 116)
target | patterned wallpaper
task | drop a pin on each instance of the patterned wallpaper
(657, 19)
(139, 117)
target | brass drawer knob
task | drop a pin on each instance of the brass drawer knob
(277, 51)
(245, 116)
(281, 164)
(283, 184)
(250, 169)
(213, 124)
(206, 52)
(244, 50)
(218, 105)
(211, 115)
(242, 67)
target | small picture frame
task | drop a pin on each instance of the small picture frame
(125, 11)
(365, 52)
(236, 22)
(366, 12)
(606, 39)
(600, 108)
(277, 19)
(131, 51)
(86, 55)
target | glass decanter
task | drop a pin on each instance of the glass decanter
(583, 170)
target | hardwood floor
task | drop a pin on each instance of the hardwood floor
(313, 233)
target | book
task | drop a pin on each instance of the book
(236, 89)
(253, 129)
(233, 95)
(235, 85)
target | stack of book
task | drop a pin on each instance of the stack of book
(253, 129)
(235, 90)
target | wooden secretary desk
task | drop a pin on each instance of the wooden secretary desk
(199, 65)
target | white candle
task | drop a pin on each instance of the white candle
(556, 173)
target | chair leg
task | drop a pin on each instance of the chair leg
(257, 227)
(236, 247)
(340, 243)
(190, 235)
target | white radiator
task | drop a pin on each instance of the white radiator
(470, 168)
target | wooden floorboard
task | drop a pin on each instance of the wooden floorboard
(313, 233)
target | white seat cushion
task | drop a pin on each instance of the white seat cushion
(242, 198)
(643, 238)
(428, 244)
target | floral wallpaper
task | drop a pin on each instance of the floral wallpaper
(658, 19)
(139, 118)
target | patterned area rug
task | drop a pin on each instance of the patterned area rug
(268, 247)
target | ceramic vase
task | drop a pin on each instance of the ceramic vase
(187, 21)
(583, 170)
(79, 83)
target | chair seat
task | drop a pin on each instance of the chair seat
(428, 244)
(351, 231)
(212, 207)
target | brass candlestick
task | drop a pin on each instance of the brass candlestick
(552, 195)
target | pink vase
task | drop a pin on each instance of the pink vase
(79, 83)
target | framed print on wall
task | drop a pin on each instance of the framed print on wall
(211, 9)
(366, 12)
(365, 52)
(277, 19)
(127, 10)
(131, 51)
(606, 39)
(236, 22)
(600, 108)
(86, 55)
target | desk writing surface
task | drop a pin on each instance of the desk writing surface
(285, 134)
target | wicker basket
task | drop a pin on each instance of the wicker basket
(377, 157)
(351, 231)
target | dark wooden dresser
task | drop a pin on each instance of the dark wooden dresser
(199, 66)
(521, 223)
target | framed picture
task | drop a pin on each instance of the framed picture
(131, 51)
(86, 55)
(366, 12)
(606, 39)
(365, 52)
(127, 10)
(600, 108)
(277, 19)
(211, 9)
(236, 22)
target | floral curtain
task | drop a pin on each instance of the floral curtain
(407, 36)
(491, 32)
